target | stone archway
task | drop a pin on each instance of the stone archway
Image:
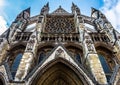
(59, 72)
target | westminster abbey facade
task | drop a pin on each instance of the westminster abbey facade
(60, 48)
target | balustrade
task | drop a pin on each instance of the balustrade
(60, 37)
(22, 36)
(99, 38)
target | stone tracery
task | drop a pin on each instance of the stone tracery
(60, 24)
(77, 42)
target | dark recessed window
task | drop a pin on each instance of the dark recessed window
(78, 58)
(41, 57)
(16, 64)
(105, 66)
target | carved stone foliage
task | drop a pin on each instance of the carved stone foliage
(60, 24)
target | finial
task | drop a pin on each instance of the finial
(27, 10)
(47, 4)
(73, 4)
(60, 6)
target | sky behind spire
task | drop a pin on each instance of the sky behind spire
(9, 9)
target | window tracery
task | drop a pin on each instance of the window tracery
(60, 24)
(42, 53)
(105, 66)
(41, 57)
(15, 64)
(77, 53)
(78, 58)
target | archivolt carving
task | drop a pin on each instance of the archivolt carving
(61, 69)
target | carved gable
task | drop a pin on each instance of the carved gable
(60, 11)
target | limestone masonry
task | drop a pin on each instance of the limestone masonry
(60, 48)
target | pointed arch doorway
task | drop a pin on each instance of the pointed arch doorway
(59, 72)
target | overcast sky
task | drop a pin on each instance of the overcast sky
(9, 9)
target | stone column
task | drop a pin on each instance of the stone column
(39, 28)
(91, 58)
(4, 46)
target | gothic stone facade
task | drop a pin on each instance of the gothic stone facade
(60, 48)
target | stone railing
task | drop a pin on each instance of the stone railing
(22, 36)
(59, 37)
(99, 37)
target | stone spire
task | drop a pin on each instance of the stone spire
(75, 8)
(97, 14)
(25, 14)
(60, 11)
(45, 9)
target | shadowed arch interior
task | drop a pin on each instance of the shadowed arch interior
(59, 72)
(2, 79)
(13, 52)
(14, 57)
(1, 82)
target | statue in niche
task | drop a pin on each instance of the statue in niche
(89, 45)
(31, 43)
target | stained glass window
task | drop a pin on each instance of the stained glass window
(78, 58)
(41, 57)
(16, 64)
(105, 66)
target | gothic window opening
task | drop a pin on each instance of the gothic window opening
(105, 66)
(42, 53)
(77, 57)
(76, 53)
(15, 64)
(41, 57)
